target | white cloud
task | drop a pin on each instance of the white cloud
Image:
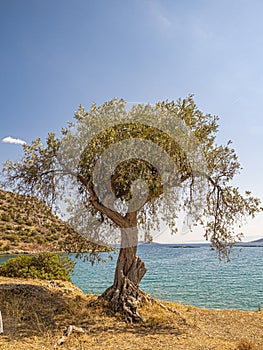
(163, 20)
(10, 139)
(159, 15)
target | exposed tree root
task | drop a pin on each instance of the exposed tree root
(130, 298)
(125, 300)
(71, 329)
(168, 308)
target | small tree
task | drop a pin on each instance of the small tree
(131, 170)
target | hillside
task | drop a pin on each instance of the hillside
(258, 241)
(37, 313)
(27, 225)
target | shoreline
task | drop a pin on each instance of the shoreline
(212, 283)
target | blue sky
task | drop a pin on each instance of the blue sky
(56, 54)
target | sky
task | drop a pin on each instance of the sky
(58, 54)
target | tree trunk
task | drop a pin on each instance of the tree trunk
(1, 324)
(124, 295)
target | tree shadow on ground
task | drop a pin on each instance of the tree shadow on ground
(30, 310)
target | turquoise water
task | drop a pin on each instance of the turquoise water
(188, 275)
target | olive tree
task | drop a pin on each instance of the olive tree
(118, 173)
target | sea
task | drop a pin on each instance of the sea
(190, 275)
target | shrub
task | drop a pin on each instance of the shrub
(6, 217)
(46, 266)
(13, 238)
(28, 240)
(34, 233)
(29, 222)
(39, 240)
(19, 220)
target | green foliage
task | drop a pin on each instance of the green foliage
(46, 168)
(46, 266)
(5, 217)
(13, 238)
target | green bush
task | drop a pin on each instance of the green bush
(48, 266)
(6, 217)
(34, 233)
(6, 247)
(29, 222)
(13, 238)
(39, 240)
(19, 220)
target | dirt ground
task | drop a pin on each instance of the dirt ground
(36, 315)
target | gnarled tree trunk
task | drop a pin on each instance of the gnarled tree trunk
(124, 295)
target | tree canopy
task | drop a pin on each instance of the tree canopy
(156, 161)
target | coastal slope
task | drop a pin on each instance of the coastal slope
(27, 225)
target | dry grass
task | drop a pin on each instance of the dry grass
(36, 314)
(245, 344)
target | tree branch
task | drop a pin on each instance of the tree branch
(216, 186)
(116, 217)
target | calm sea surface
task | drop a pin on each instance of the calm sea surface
(187, 275)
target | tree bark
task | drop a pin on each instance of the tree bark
(1, 324)
(124, 295)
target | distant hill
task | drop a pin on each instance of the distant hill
(27, 225)
(258, 241)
